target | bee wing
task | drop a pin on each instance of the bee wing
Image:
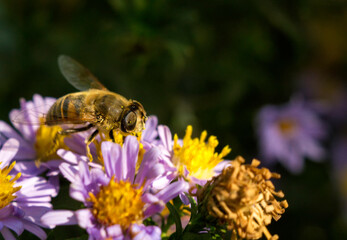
(35, 116)
(31, 112)
(78, 75)
(27, 117)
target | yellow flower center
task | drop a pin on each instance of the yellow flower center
(140, 156)
(118, 203)
(196, 155)
(118, 137)
(48, 141)
(6, 185)
(287, 126)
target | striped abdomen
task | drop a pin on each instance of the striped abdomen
(68, 109)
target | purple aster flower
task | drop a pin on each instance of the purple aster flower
(26, 121)
(118, 198)
(36, 139)
(23, 201)
(194, 158)
(191, 159)
(290, 133)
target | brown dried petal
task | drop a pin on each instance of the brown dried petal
(243, 198)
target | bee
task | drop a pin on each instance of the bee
(94, 106)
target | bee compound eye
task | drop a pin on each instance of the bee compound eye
(129, 121)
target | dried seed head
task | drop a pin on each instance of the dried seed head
(243, 198)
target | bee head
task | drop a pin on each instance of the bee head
(133, 118)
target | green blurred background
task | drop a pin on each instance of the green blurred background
(212, 64)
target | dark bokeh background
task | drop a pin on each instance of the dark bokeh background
(212, 64)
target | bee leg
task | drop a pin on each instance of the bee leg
(111, 135)
(88, 142)
(74, 130)
(63, 133)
